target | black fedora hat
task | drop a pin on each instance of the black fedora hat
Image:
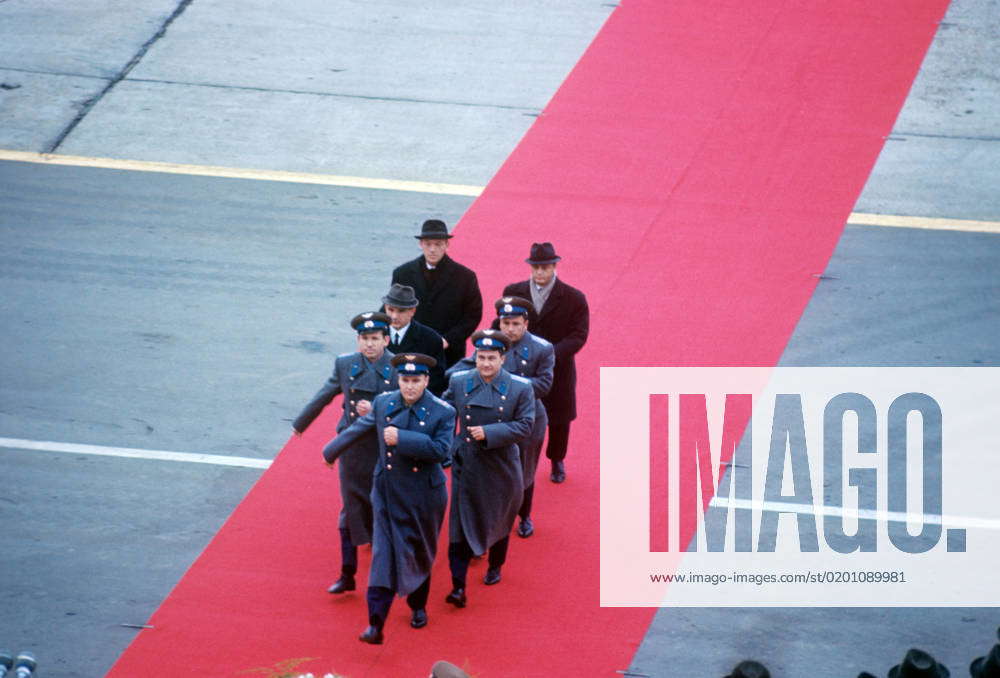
(988, 666)
(749, 669)
(433, 229)
(542, 253)
(919, 664)
(401, 296)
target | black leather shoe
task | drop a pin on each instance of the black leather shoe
(525, 528)
(558, 472)
(345, 583)
(419, 619)
(492, 576)
(372, 636)
(456, 598)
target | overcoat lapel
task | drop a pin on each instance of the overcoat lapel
(445, 270)
(419, 282)
(553, 300)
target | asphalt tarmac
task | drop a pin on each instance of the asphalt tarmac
(198, 314)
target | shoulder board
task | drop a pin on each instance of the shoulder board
(539, 340)
(522, 380)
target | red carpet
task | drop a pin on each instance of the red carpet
(694, 172)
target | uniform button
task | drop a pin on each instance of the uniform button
(388, 419)
(501, 408)
(389, 466)
(468, 416)
(499, 419)
(414, 469)
(354, 414)
(503, 397)
(468, 440)
(387, 381)
(422, 424)
(388, 454)
(524, 362)
(352, 402)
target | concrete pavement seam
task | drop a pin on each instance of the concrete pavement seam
(136, 58)
(923, 135)
(369, 97)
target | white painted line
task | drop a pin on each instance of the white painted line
(242, 173)
(858, 514)
(132, 453)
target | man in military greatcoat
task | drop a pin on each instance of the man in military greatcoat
(414, 429)
(450, 302)
(563, 318)
(360, 377)
(495, 410)
(533, 358)
(406, 335)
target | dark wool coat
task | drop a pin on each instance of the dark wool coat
(452, 307)
(357, 379)
(532, 358)
(565, 322)
(409, 494)
(487, 482)
(422, 339)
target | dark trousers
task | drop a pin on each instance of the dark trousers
(558, 440)
(529, 495)
(460, 554)
(380, 600)
(348, 553)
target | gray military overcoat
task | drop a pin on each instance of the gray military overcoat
(487, 481)
(358, 380)
(534, 359)
(409, 494)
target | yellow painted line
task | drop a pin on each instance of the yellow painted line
(241, 173)
(929, 223)
(856, 218)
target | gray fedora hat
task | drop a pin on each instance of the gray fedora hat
(988, 666)
(401, 296)
(749, 668)
(919, 664)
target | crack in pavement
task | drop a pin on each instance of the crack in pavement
(136, 58)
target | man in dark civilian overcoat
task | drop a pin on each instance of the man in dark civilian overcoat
(360, 377)
(406, 335)
(563, 318)
(414, 429)
(450, 302)
(495, 410)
